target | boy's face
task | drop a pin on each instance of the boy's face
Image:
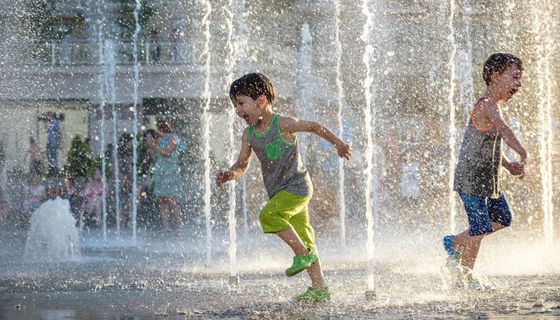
(508, 82)
(249, 109)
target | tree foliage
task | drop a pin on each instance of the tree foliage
(79, 163)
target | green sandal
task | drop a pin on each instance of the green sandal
(301, 263)
(314, 295)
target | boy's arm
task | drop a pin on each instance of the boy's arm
(494, 114)
(239, 168)
(292, 125)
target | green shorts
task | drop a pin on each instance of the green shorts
(288, 211)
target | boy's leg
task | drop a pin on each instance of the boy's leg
(468, 241)
(486, 216)
(468, 246)
(316, 276)
(302, 227)
(277, 216)
(291, 238)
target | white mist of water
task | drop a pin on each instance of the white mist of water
(452, 139)
(544, 78)
(207, 95)
(137, 29)
(53, 235)
(303, 81)
(242, 36)
(340, 103)
(464, 63)
(368, 132)
(111, 74)
(508, 35)
(244, 207)
(230, 64)
(102, 98)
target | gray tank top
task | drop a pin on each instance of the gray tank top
(478, 166)
(281, 165)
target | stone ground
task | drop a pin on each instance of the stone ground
(157, 278)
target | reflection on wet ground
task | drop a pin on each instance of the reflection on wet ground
(167, 280)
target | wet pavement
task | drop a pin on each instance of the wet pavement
(168, 279)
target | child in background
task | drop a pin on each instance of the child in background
(35, 194)
(92, 194)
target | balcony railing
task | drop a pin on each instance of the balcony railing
(81, 53)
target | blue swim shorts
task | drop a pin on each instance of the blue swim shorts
(481, 211)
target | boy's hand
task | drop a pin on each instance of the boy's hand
(516, 169)
(223, 177)
(344, 150)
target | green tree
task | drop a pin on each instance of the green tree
(78, 163)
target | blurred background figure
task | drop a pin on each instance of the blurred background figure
(167, 173)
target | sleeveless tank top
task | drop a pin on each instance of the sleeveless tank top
(479, 162)
(281, 164)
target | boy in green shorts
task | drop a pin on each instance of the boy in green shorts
(273, 139)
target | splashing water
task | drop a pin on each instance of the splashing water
(452, 139)
(340, 102)
(542, 21)
(368, 132)
(110, 85)
(303, 80)
(465, 66)
(175, 271)
(232, 251)
(53, 235)
(206, 118)
(137, 30)
(102, 101)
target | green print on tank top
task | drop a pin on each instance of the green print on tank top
(272, 149)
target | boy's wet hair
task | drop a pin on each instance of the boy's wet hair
(252, 85)
(499, 62)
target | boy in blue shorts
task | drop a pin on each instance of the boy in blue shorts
(273, 139)
(480, 158)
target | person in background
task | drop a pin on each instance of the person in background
(167, 173)
(54, 141)
(153, 46)
(147, 154)
(35, 194)
(125, 177)
(35, 155)
(177, 46)
(93, 197)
